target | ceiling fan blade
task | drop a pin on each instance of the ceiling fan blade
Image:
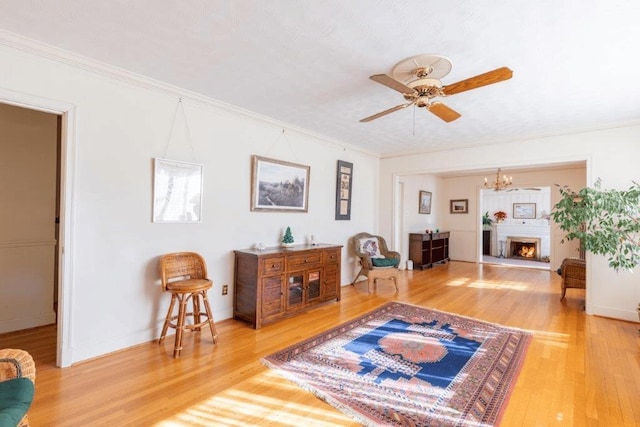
(480, 80)
(392, 83)
(385, 112)
(444, 112)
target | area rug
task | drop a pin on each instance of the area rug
(404, 365)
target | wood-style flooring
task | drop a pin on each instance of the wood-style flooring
(579, 371)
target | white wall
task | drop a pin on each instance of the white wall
(413, 221)
(27, 217)
(120, 127)
(610, 155)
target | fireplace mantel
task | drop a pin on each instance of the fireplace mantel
(504, 230)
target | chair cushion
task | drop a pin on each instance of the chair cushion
(370, 246)
(384, 262)
(15, 398)
(189, 285)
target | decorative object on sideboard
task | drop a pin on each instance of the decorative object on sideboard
(500, 183)
(287, 239)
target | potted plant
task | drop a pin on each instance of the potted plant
(500, 216)
(607, 222)
(486, 221)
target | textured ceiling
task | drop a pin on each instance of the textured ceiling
(307, 63)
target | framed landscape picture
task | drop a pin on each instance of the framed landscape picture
(424, 202)
(279, 186)
(524, 211)
(459, 206)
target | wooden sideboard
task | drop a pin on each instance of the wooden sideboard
(427, 249)
(280, 282)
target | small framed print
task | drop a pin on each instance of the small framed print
(424, 202)
(524, 211)
(344, 187)
(459, 206)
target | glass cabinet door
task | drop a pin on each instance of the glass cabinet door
(313, 285)
(295, 290)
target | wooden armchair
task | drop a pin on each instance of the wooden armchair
(573, 272)
(376, 260)
(17, 378)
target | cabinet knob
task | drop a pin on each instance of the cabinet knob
(273, 266)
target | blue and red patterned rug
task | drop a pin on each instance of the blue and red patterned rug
(404, 365)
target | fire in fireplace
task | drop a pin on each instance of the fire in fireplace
(523, 247)
(524, 250)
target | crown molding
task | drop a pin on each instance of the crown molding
(38, 48)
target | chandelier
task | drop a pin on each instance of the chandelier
(499, 183)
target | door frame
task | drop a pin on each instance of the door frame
(65, 247)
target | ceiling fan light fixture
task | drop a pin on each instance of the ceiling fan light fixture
(425, 82)
(418, 80)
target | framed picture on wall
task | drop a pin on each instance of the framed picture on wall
(424, 202)
(524, 211)
(459, 206)
(279, 186)
(344, 186)
(177, 191)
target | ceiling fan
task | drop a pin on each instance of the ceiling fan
(418, 80)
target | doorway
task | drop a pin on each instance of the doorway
(527, 219)
(63, 115)
(29, 146)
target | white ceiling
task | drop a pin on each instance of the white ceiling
(307, 63)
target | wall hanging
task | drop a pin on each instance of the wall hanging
(343, 190)
(279, 186)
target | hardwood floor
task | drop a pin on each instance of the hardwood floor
(579, 370)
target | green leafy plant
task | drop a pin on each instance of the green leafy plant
(607, 222)
(486, 220)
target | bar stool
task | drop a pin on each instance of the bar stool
(184, 274)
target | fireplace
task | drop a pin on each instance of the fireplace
(522, 247)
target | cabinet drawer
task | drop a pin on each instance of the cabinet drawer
(331, 257)
(272, 265)
(312, 259)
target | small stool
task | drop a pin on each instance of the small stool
(382, 273)
(184, 274)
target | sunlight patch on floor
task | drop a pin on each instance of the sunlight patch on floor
(552, 339)
(482, 284)
(461, 281)
(245, 405)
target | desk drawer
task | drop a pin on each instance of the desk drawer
(313, 259)
(332, 256)
(272, 265)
